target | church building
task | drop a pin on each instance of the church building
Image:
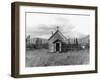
(57, 42)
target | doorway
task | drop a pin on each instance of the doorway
(57, 47)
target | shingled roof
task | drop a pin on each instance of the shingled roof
(60, 35)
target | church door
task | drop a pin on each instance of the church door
(57, 47)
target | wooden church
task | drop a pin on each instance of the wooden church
(57, 42)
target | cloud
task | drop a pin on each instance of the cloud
(62, 20)
(45, 29)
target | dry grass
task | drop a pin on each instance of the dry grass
(43, 58)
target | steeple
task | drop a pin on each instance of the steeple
(57, 28)
(58, 33)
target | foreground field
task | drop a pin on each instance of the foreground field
(43, 58)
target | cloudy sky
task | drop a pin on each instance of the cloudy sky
(42, 25)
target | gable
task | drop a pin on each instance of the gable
(57, 36)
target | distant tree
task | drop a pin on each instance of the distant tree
(28, 41)
(38, 43)
(69, 44)
(69, 41)
(76, 41)
(27, 38)
(88, 44)
(75, 45)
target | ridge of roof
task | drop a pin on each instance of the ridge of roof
(55, 33)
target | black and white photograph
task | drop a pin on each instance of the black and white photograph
(57, 39)
(52, 39)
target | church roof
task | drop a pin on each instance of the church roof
(58, 35)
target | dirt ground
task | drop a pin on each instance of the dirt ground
(41, 58)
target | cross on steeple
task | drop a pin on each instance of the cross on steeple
(57, 28)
